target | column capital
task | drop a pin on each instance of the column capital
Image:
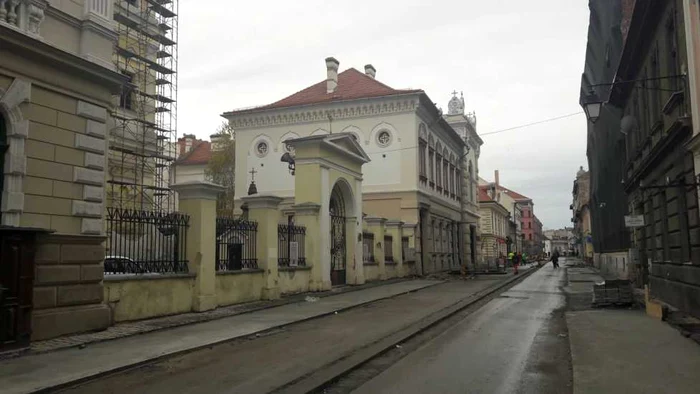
(375, 220)
(262, 201)
(197, 190)
(394, 223)
(306, 209)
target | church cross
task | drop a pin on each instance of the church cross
(252, 173)
(454, 93)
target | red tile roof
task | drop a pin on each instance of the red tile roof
(514, 195)
(352, 85)
(200, 154)
(483, 195)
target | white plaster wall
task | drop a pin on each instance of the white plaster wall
(392, 168)
(189, 173)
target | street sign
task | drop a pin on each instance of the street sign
(634, 221)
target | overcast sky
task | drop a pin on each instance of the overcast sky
(516, 61)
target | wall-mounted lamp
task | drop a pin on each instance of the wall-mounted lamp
(287, 158)
(592, 106)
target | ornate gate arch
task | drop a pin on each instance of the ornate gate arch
(338, 237)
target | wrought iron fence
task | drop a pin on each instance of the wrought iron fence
(290, 245)
(143, 242)
(368, 247)
(388, 249)
(236, 242)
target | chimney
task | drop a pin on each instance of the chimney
(370, 71)
(332, 72)
(189, 142)
(497, 180)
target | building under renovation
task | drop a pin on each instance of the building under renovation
(142, 138)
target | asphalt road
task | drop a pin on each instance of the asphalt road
(516, 343)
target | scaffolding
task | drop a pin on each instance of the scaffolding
(142, 141)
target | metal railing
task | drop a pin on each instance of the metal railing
(142, 242)
(236, 242)
(367, 247)
(388, 249)
(290, 245)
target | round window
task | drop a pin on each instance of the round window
(261, 149)
(384, 138)
(288, 148)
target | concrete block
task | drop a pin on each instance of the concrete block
(47, 254)
(96, 129)
(71, 122)
(51, 134)
(90, 144)
(57, 274)
(12, 201)
(40, 114)
(44, 297)
(65, 224)
(92, 273)
(70, 156)
(92, 111)
(38, 186)
(82, 253)
(15, 162)
(93, 193)
(87, 209)
(89, 177)
(39, 150)
(54, 100)
(54, 322)
(67, 190)
(35, 220)
(49, 170)
(91, 226)
(94, 161)
(47, 205)
(79, 294)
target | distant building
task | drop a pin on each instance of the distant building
(494, 225)
(560, 240)
(583, 237)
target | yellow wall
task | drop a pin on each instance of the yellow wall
(391, 271)
(134, 299)
(371, 272)
(294, 281)
(239, 287)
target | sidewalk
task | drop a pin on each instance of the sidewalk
(624, 350)
(42, 371)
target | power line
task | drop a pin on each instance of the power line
(531, 124)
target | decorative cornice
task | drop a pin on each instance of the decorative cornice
(63, 17)
(321, 113)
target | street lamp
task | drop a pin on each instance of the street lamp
(592, 106)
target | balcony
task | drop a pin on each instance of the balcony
(23, 15)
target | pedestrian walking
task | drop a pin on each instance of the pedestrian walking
(555, 259)
(517, 257)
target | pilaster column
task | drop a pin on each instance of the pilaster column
(198, 200)
(307, 215)
(265, 211)
(395, 229)
(376, 226)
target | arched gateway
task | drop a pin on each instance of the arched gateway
(338, 238)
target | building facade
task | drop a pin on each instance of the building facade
(660, 172)
(582, 215)
(495, 226)
(608, 27)
(414, 173)
(57, 81)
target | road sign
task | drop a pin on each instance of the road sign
(634, 221)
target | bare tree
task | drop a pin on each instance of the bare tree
(222, 166)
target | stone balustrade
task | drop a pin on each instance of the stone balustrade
(25, 15)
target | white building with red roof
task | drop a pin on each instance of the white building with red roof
(414, 175)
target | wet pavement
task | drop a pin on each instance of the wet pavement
(517, 343)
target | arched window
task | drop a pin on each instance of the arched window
(3, 149)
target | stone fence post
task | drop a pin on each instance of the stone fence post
(307, 215)
(198, 200)
(265, 211)
(376, 226)
(395, 229)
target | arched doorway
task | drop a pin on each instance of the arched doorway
(338, 237)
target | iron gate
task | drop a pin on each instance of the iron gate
(338, 241)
